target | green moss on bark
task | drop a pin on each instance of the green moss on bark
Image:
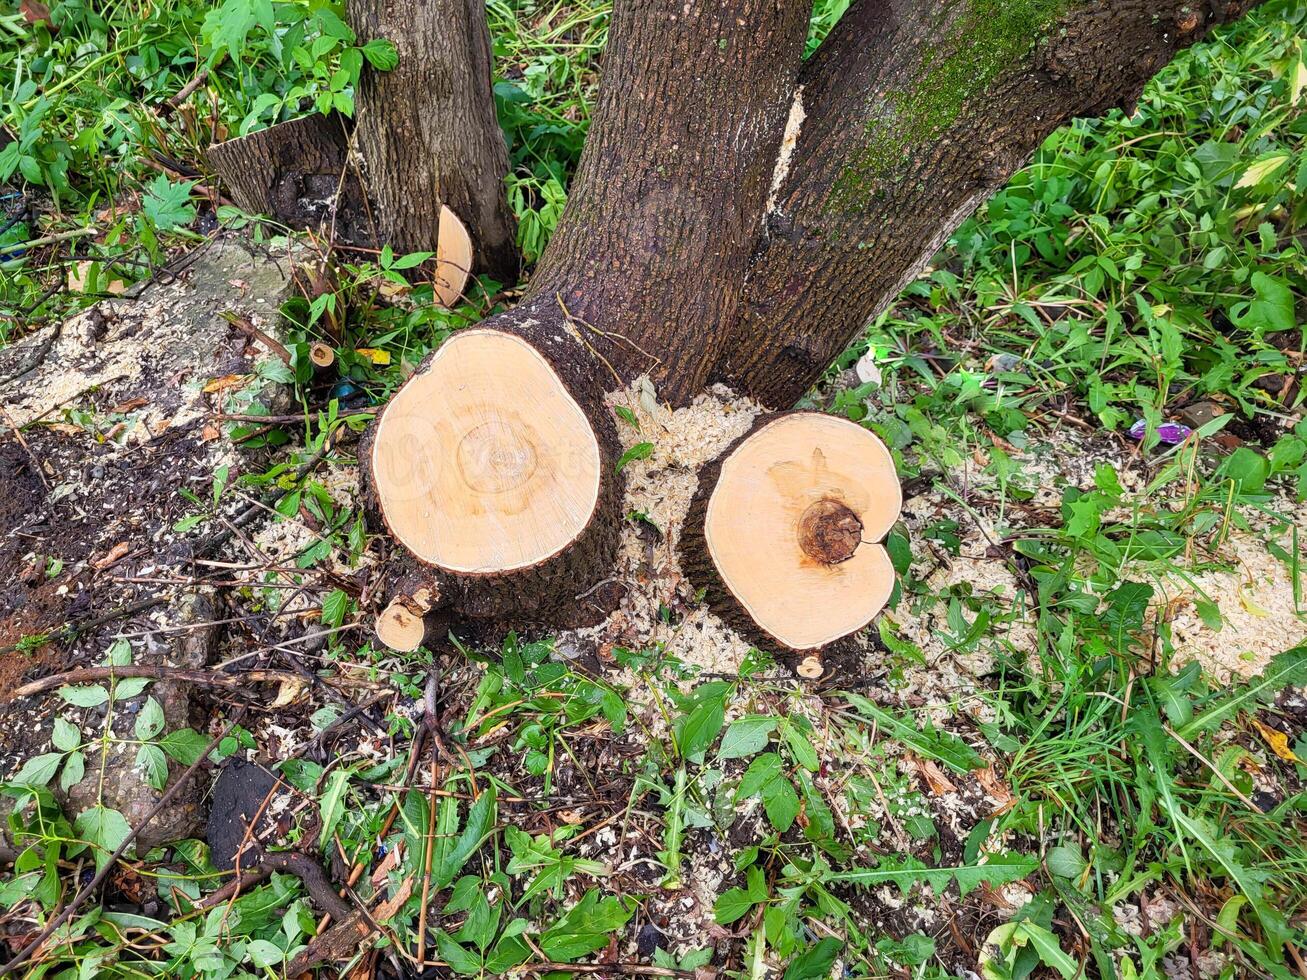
(981, 41)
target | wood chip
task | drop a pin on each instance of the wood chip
(115, 554)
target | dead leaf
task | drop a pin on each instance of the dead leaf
(387, 864)
(65, 429)
(932, 776)
(115, 554)
(35, 12)
(227, 381)
(994, 788)
(209, 432)
(131, 405)
(287, 691)
(1277, 740)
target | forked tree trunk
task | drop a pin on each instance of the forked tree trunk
(738, 214)
(914, 113)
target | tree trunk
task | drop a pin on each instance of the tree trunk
(428, 140)
(738, 214)
(784, 532)
(914, 113)
(662, 214)
(427, 129)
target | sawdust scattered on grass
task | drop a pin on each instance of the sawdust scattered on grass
(661, 488)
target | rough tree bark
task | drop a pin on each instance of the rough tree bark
(662, 214)
(427, 130)
(739, 214)
(914, 113)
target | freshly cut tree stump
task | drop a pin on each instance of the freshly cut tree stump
(493, 468)
(785, 530)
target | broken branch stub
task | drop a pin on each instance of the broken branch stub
(785, 533)
(493, 468)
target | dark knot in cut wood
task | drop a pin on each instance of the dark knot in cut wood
(829, 532)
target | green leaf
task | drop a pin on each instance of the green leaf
(1065, 861)
(185, 745)
(932, 743)
(802, 750)
(1288, 669)
(460, 959)
(781, 802)
(149, 722)
(815, 962)
(264, 954)
(151, 761)
(334, 608)
(997, 870)
(734, 903)
(1271, 309)
(641, 450)
(480, 825)
(74, 770)
(1248, 468)
(584, 928)
(168, 205)
(381, 54)
(746, 736)
(66, 735)
(85, 695)
(332, 805)
(40, 769)
(700, 727)
(762, 771)
(103, 827)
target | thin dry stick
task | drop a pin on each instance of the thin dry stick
(209, 678)
(74, 629)
(1216, 772)
(71, 908)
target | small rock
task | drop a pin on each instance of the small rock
(1199, 413)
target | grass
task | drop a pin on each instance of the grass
(1039, 757)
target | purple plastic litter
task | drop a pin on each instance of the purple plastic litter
(1171, 433)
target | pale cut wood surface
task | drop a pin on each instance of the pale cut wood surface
(453, 258)
(803, 464)
(483, 462)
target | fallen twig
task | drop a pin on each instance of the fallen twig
(185, 92)
(208, 678)
(74, 629)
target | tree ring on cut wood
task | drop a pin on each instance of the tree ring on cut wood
(794, 523)
(484, 463)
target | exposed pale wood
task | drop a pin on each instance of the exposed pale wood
(810, 667)
(322, 355)
(484, 462)
(793, 527)
(403, 625)
(453, 258)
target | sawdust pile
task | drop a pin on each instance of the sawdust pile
(660, 488)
